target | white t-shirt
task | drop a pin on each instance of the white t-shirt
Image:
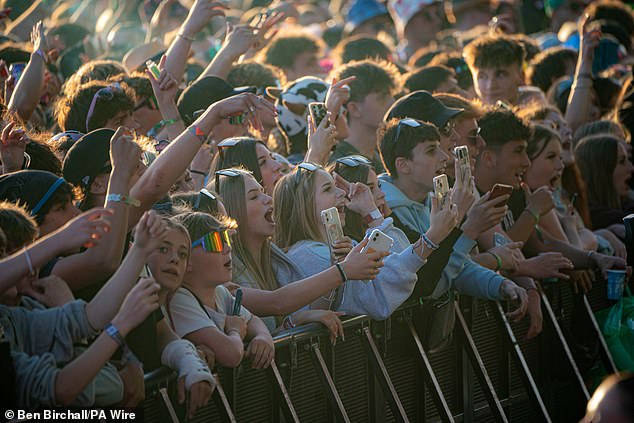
(188, 316)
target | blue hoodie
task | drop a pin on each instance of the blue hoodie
(461, 273)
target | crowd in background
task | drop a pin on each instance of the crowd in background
(161, 158)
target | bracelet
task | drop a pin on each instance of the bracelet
(29, 263)
(533, 213)
(196, 131)
(168, 122)
(198, 172)
(123, 198)
(288, 322)
(27, 161)
(429, 243)
(114, 333)
(185, 37)
(498, 260)
(339, 267)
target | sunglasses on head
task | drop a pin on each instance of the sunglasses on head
(226, 144)
(412, 123)
(354, 161)
(230, 173)
(214, 242)
(105, 93)
(71, 134)
(447, 129)
(206, 202)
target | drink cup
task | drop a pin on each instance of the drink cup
(616, 282)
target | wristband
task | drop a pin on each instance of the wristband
(341, 271)
(374, 215)
(429, 243)
(196, 131)
(29, 263)
(533, 213)
(498, 260)
(168, 122)
(114, 333)
(122, 198)
(198, 172)
(185, 37)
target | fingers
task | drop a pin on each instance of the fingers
(343, 82)
(181, 390)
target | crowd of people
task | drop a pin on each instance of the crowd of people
(165, 169)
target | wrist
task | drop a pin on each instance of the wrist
(469, 230)
(120, 324)
(534, 214)
(374, 216)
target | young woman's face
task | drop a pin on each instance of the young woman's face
(622, 171)
(168, 263)
(269, 168)
(208, 267)
(546, 169)
(379, 196)
(259, 208)
(565, 133)
(327, 195)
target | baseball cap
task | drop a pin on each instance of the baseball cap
(86, 158)
(32, 188)
(205, 92)
(362, 11)
(403, 11)
(421, 105)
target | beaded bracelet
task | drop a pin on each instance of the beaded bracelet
(429, 243)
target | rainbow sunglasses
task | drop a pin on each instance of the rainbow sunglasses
(214, 242)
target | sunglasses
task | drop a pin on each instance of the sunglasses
(226, 144)
(214, 242)
(71, 134)
(474, 134)
(412, 123)
(354, 161)
(206, 202)
(230, 173)
(447, 129)
(105, 93)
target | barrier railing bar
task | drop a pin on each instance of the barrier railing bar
(604, 351)
(564, 346)
(518, 357)
(477, 365)
(290, 415)
(436, 393)
(167, 403)
(222, 402)
(381, 374)
(329, 385)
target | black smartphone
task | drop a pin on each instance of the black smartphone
(237, 303)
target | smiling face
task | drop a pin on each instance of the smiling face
(269, 168)
(327, 195)
(509, 163)
(168, 263)
(259, 210)
(622, 171)
(547, 167)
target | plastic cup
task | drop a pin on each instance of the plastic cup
(616, 282)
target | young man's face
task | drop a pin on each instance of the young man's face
(509, 163)
(373, 108)
(58, 216)
(305, 64)
(146, 116)
(467, 130)
(498, 83)
(122, 119)
(428, 161)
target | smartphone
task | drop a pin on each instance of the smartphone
(16, 70)
(462, 155)
(317, 112)
(153, 67)
(378, 241)
(499, 239)
(499, 190)
(330, 219)
(441, 189)
(237, 303)
(145, 272)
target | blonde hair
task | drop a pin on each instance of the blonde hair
(294, 206)
(233, 192)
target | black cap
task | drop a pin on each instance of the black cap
(421, 105)
(203, 93)
(32, 188)
(87, 157)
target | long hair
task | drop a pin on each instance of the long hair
(294, 208)
(243, 154)
(355, 224)
(572, 182)
(540, 136)
(233, 192)
(596, 156)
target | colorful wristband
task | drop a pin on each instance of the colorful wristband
(429, 243)
(122, 198)
(198, 133)
(498, 260)
(533, 213)
(114, 333)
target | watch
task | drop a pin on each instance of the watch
(374, 215)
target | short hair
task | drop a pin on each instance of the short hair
(536, 111)
(285, 48)
(471, 109)
(42, 156)
(371, 77)
(72, 110)
(95, 70)
(424, 56)
(359, 47)
(612, 10)
(493, 51)
(139, 82)
(18, 226)
(69, 33)
(499, 127)
(549, 65)
(427, 78)
(531, 47)
(455, 61)
(260, 75)
(391, 148)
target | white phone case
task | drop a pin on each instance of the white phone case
(330, 219)
(441, 189)
(378, 241)
(462, 155)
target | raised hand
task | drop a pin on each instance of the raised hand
(200, 14)
(12, 147)
(484, 215)
(124, 152)
(321, 139)
(263, 24)
(149, 232)
(363, 266)
(338, 94)
(341, 248)
(84, 230)
(441, 220)
(540, 201)
(240, 39)
(361, 199)
(38, 37)
(165, 87)
(247, 104)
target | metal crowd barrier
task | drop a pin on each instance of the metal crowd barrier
(382, 372)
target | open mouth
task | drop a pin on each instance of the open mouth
(554, 180)
(172, 272)
(268, 216)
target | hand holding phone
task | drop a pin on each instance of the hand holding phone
(330, 219)
(378, 241)
(317, 112)
(441, 190)
(237, 303)
(500, 190)
(463, 164)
